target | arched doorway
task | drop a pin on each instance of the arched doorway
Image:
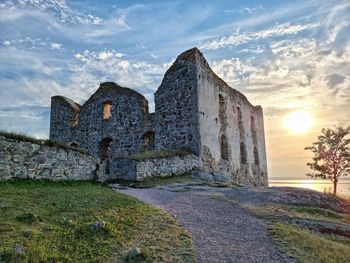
(224, 147)
(148, 141)
(256, 156)
(105, 145)
(243, 151)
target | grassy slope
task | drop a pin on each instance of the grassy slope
(302, 244)
(306, 246)
(52, 221)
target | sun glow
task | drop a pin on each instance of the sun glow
(298, 122)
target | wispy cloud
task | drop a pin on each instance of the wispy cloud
(239, 37)
(110, 65)
(245, 10)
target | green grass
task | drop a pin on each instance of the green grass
(307, 247)
(25, 138)
(303, 245)
(149, 182)
(279, 212)
(316, 212)
(157, 154)
(52, 222)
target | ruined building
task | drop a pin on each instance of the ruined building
(194, 110)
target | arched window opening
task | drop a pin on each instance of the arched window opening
(74, 144)
(256, 156)
(253, 130)
(240, 122)
(145, 107)
(221, 100)
(105, 145)
(148, 141)
(243, 153)
(224, 147)
(74, 121)
(107, 110)
(222, 108)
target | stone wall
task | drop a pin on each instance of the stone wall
(23, 160)
(63, 112)
(194, 109)
(231, 130)
(139, 170)
(176, 106)
(129, 121)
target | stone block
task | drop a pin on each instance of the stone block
(203, 176)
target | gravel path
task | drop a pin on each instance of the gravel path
(221, 231)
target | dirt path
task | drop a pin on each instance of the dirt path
(221, 231)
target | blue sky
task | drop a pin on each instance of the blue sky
(283, 55)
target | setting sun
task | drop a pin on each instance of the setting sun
(298, 122)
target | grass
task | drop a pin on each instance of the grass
(300, 243)
(149, 182)
(306, 246)
(25, 138)
(157, 154)
(280, 212)
(83, 222)
(316, 212)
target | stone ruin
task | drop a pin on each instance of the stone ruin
(194, 110)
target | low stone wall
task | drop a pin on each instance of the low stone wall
(24, 160)
(139, 170)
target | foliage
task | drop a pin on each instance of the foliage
(331, 158)
(45, 221)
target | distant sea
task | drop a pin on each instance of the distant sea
(324, 186)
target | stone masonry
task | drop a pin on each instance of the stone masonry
(194, 110)
(156, 167)
(27, 160)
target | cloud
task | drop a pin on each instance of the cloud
(109, 27)
(20, 62)
(57, 18)
(251, 10)
(245, 10)
(110, 65)
(58, 8)
(334, 79)
(301, 73)
(238, 37)
(56, 46)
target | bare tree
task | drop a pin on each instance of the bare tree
(331, 158)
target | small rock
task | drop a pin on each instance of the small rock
(98, 225)
(20, 249)
(203, 176)
(221, 178)
(135, 255)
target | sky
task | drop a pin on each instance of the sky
(287, 56)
